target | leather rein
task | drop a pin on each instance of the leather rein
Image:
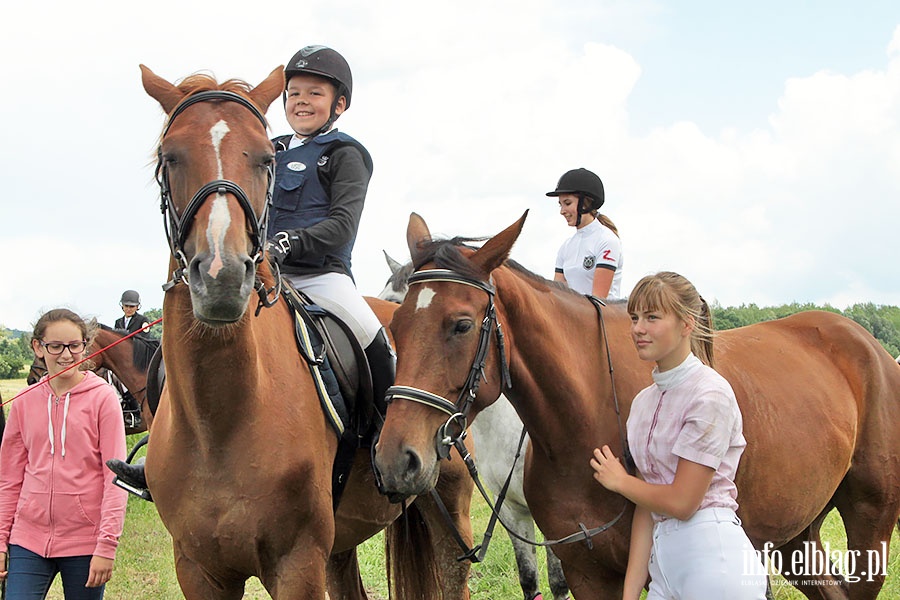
(453, 432)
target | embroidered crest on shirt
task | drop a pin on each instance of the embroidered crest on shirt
(588, 262)
(322, 161)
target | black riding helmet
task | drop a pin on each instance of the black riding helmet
(584, 184)
(327, 63)
(130, 298)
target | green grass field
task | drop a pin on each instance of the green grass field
(145, 566)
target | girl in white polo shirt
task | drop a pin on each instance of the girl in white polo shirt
(590, 262)
(685, 433)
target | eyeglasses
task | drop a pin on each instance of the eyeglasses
(56, 348)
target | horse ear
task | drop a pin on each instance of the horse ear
(160, 90)
(416, 233)
(392, 264)
(496, 250)
(270, 88)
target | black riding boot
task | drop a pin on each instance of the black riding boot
(383, 364)
(132, 474)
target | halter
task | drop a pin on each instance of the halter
(458, 412)
(177, 226)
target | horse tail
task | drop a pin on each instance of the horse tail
(410, 559)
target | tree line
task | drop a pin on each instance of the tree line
(882, 321)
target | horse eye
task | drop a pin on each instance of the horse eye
(462, 326)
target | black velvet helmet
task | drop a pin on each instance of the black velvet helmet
(130, 298)
(582, 183)
(325, 62)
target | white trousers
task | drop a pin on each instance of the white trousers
(336, 293)
(704, 557)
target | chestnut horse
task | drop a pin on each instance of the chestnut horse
(241, 455)
(819, 395)
(498, 438)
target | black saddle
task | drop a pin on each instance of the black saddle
(328, 345)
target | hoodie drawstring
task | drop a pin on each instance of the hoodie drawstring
(65, 418)
(50, 420)
(50, 423)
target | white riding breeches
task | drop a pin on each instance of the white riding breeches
(336, 293)
(707, 556)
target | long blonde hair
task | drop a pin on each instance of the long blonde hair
(672, 293)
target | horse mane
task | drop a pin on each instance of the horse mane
(142, 348)
(201, 82)
(448, 254)
(399, 280)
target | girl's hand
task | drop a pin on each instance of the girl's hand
(608, 470)
(2, 566)
(101, 571)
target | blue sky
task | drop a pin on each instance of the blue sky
(755, 148)
(723, 65)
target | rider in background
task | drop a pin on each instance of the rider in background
(685, 432)
(321, 179)
(59, 510)
(590, 262)
(132, 320)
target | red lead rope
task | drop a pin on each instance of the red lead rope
(86, 358)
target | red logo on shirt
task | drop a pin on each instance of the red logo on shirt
(606, 256)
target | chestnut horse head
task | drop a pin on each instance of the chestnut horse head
(216, 167)
(820, 400)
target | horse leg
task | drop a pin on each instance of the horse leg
(197, 584)
(518, 518)
(301, 573)
(455, 488)
(815, 580)
(869, 511)
(555, 575)
(344, 580)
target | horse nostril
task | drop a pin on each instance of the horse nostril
(413, 463)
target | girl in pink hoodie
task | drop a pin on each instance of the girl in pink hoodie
(59, 510)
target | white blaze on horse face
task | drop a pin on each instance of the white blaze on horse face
(219, 218)
(425, 297)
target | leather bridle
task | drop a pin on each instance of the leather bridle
(177, 226)
(453, 430)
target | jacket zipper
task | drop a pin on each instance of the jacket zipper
(52, 480)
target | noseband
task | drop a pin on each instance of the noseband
(177, 226)
(458, 413)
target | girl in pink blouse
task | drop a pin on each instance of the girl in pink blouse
(685, 432)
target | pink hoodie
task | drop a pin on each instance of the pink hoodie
(56, 494)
